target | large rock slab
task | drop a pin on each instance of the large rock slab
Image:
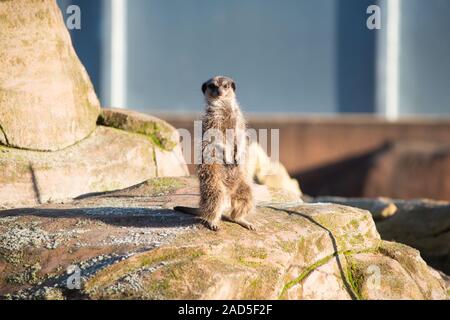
(390, 172)
(408, 169)
(109, 159)
(131, 244)
(422, 223)
(428, 163)
(168, 153)
(47, 101)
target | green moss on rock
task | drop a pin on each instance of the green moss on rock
(158, 131)
(287, 246)
(355, 279)
(164, 185)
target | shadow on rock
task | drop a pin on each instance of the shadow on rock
(117, 216)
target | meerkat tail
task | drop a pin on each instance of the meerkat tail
(188, 210)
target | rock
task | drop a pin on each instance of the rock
(410, 170)
(168, 155)
(46, 97)
(48, 104)
(380, 208)
(424, 225)
(446, 279)
(159, 131)
(109, 159)
(381, 278)
(398, 170)
(399, 274)
(149, 251)
(170, 163)
(49, 294)
(269, 173)
(427, 279)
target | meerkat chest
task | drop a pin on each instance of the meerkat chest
(230, 120)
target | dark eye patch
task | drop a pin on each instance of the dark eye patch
(212, 86)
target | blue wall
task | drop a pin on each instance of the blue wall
(425, 57)
(310, 56)
(88, 40)
(281, 53)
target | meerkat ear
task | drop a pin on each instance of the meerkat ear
(204, 88)
(233, 85)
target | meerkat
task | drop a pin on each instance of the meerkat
(223, 176)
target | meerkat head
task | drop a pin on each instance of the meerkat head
(219, 89)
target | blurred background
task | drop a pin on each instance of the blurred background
(361, 113)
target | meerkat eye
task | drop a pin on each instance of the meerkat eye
(227, 86)
(211, 86)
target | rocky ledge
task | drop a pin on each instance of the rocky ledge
(126, 148)
(131, 244)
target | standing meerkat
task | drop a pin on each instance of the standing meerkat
(222, 171)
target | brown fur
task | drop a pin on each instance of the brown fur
(222, 181)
